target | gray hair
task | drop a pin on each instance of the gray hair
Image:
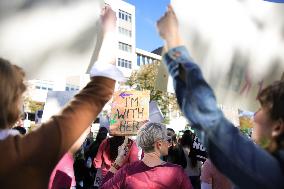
(149, 133)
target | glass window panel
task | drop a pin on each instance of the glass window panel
(143, 60)
(138, 60)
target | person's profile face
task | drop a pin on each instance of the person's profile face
(170, 141)
(164, 147)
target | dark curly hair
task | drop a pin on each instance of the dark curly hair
(187, 140)
(272, 99)
(114, 143)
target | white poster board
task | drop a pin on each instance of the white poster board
(238, 45)
(55, 101)
(55, 41)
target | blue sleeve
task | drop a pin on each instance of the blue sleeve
(246, 164)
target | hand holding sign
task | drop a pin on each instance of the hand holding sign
(123, 152)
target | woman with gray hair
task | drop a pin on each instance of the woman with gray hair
(151, 171)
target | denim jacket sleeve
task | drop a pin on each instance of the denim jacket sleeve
(243, 162)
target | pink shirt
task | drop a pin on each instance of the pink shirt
(211, 175)
(102, 159)
(138, 175)
(62, 175)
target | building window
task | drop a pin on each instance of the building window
(124, 31)
(148, 60)
(130, 48)
(124, 47)
(118, 62)
(124, 63)
(125, 16)
(66, 88)
(138, 60)
(37, 87)
(143, 60)
(50, 89)
(44, 88)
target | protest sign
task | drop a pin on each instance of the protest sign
(231, 57)
(155, 114)
(129, 108)
(55, 101)
(200, 150)
(43, 49)
(201, 153)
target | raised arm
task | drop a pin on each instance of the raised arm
(246, 164)
(53, 139)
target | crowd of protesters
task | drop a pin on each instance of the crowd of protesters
(51, 156)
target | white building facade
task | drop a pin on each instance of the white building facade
(126, 35)
(144, 57)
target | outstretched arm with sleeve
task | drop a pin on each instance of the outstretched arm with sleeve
(45, 146)
(245, 163)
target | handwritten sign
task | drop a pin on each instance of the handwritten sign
(129, 108)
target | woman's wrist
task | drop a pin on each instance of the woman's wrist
(173, 42)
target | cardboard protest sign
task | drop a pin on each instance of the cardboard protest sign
(129, 108)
